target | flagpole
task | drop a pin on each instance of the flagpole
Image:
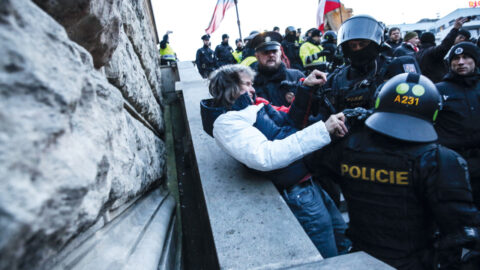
(341, 17)
(238, 20)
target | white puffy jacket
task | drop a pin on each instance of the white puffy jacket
(235, 133)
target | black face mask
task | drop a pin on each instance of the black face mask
(364, 56)
(291, 37)
(242, 102)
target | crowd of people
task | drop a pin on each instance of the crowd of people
(390, 123)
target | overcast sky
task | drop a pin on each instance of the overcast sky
(189, 19)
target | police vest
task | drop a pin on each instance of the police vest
(249, 61)
(357, 92)
(167, 53)
(384, 208)
(308, 50)
(237, 55)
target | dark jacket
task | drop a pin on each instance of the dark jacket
(395, 192)
(223, 55)
(404, 49)
(292, 50)
(205, 61)
(430, 57)
(458, 122)
(393, 44)
(270, 86)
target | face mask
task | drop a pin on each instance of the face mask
(363, 56)
(242, 102)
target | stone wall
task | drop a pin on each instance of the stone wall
(70, 151)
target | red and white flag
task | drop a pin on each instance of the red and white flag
(218, 14)
(325, 6)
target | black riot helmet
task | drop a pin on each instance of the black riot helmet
(406, 108)
(290, 30)
(330, 37)
(360, 27)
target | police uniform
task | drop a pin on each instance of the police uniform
(398, 181)
(291, 47)
(311, 54)
(204, 59)
(167, 55)
(223, 53)
(279, 85)
(354, 85)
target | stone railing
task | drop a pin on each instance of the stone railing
(252, 226)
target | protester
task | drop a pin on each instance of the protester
(395, 38)
(266, 140)
(431, 57)
(409, 46)
(458, 122)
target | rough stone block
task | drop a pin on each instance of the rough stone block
(68, 149)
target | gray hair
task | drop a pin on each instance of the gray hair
(225, 84)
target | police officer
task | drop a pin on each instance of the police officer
(329, 45)
(398, 182)
(291, 47)
(205, 60)
(223, 52)
(167, 55)
(248, 54)
(354, 85)
(458, 123)
(237, 54)
(274, 81)
(311, 52)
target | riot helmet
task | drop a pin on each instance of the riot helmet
(357, 28)
(330, 37)
(290, 30)
(406, 108)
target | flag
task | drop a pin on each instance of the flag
(325, 6)
(218, 14)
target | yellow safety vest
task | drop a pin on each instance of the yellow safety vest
(237, 55)
(308, 49)
(167, 53)
(249, 61)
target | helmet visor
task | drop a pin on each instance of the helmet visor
(360, 27)
(402, 127)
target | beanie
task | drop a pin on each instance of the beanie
(316, 33)
(467, 48)
(464, 33)
(224, 36)
(427, 37)
(410, 35)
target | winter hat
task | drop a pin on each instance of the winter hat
(224, 36)
(427, 37)
(410, 35)
(464, 33)
(467, 48)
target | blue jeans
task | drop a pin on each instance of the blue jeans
(319, 217)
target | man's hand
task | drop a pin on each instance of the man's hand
(315, 78)
(459, 22)
(335, 125)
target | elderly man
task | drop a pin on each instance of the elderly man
(274, 81)
(458, 123)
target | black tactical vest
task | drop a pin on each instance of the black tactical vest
(387, 216)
